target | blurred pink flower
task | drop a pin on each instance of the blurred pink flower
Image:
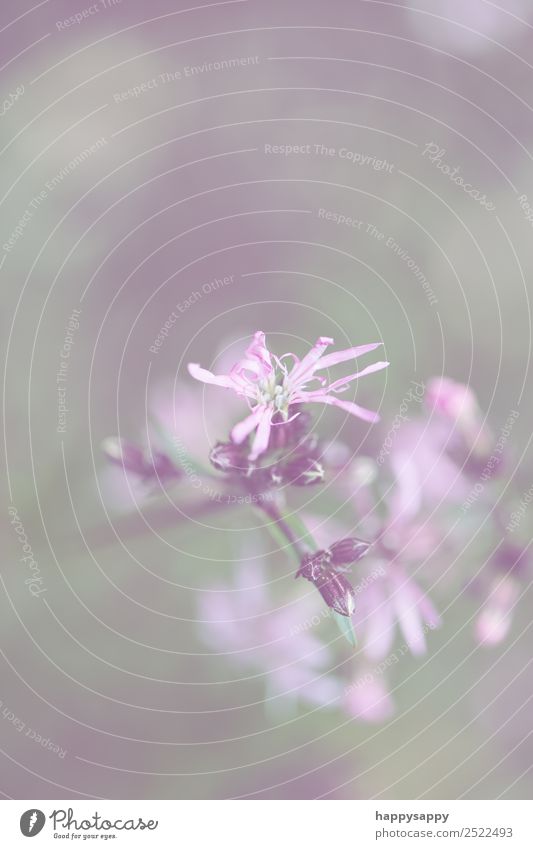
(457, 405)
(270, 388)
(493, 623)
(390, 600)
(432, 459)
(134, 472)
(243, 622)
(176, 433)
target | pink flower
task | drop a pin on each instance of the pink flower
(458, 406)
(493, 623)
(270, 388)
(388, 601)
(242, 622)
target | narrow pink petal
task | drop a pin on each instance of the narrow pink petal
(348, 406)
(243, 385)
(429, 612)
(206, 376)
(256, 358)
(306, 367)
(409, 616)
(348, 354)
(379, 624)
(406, 497)
(260, 443)
(259, 350)
(244, 428)
(344, 381)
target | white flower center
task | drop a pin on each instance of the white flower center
(270, 392)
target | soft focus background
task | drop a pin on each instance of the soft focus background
(139, 172)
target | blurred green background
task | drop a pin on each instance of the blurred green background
(109, 662)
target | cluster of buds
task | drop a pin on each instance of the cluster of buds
(148, 465)
(301, 468)
(325, 569)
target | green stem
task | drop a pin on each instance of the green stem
(284, 527)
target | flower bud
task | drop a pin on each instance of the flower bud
(286, 434)
(348, 551)
(231, 458)
(338, 593)
(300, 471)
(137, 461)
(335, 589)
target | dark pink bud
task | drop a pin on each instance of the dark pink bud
(348, 551)
(313, 565)
(334, 588)
(300, 471)
(287, 434)
(137, 461)
(231, 458)
(311, 445)
(338, 593)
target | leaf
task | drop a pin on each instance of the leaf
(279, 538)
(345, 626)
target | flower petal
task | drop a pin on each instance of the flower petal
(256, 358)
(347, 406)
(205, 376)
(407, 606)
(260, 443)
(342, 382)
(378, 623)
(306, 367)
(244, 428)
(348, 354)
